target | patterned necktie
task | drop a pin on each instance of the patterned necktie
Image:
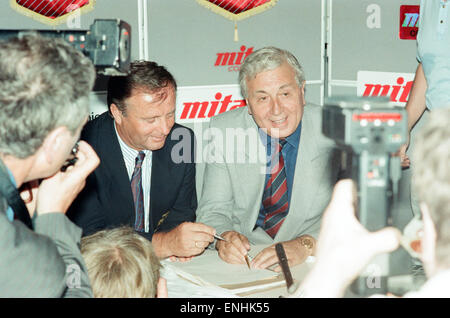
(275, 196)
(136, 188)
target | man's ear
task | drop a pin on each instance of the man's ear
(117, 114)
(53, 143)
(302, 90)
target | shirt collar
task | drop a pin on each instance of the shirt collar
(129, 153)
(293, 139)
(11, 177)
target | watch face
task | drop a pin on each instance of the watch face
(307, 242)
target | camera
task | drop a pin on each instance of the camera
(107, 43)
(72, 159)
(370, 130)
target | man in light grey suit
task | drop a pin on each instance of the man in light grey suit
(44, 103)
(271, 184)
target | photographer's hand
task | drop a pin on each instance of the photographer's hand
(28, 193)
(344, 246)
(56, 193)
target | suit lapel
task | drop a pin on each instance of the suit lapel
(305, 182)
(115, 170)
(253, 171)
(157, 188)
(164, 176)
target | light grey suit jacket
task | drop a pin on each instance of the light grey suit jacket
(45, 262)
(232, 189)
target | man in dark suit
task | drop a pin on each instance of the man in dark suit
(139, 143)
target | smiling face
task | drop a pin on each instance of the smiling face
(276, 101)
(148, 118)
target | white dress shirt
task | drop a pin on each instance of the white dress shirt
(129, 155)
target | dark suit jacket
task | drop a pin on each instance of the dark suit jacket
(107, 201)
(41, 263)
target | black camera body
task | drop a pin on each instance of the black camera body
(107, 43)
(370, 130)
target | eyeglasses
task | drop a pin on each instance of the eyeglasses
(72, 159)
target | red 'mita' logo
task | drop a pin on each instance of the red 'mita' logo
(398, 93)
(233, 59)
(409, 22)
(208, 109)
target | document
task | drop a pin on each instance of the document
(210, 270)
(181, 284)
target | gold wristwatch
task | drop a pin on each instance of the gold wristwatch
(308, 242)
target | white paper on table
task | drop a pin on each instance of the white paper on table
(184, 285)
(211, 268)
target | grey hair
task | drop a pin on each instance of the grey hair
(121, 263)
(265, 59)
(44, 84)
(431, 177)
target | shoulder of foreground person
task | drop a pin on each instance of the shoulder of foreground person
(67, 237)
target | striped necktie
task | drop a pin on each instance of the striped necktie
(275, 196)
(136, 188)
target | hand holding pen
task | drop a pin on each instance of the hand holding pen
(233, 248)
(246, 257)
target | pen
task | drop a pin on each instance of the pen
(291, 286)
(247, 260)
(217, 236)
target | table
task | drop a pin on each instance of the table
(209, 276)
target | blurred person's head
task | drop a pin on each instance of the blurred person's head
(44, 102)
(121, 263)
(143, 105)
(432, 184)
